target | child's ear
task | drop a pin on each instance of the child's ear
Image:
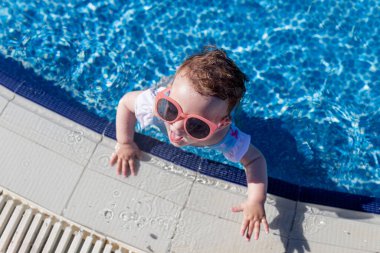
(226, 121)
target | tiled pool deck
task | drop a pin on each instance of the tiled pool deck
(63, 167)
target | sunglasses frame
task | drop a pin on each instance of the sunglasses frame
(181, 115)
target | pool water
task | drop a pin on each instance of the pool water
(312, 102)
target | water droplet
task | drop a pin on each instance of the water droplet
(347, 232)
(104, 161)
(25, 164)
(150, 248)
(142, 219)
(108, 214)
(133, 216)
(123, 216)
(116, 194)
(166, 225)
(112, 205)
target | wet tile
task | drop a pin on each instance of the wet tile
(200, 232)
(322, 227)
(5, 93)
(217, 197)
(155, 175)
(123, 212)
(343, 200)
(375, 219)
(310, 246)
(207, 193)
(5, 96)
(35, 172)
(50, 130)
(334, 212)
(3, 103)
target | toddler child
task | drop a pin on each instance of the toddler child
(195, 109)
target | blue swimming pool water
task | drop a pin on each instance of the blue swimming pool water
(312, 104)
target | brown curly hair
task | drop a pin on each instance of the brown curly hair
(213, 73)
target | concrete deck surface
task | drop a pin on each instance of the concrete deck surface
(63, 167)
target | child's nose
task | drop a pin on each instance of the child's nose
(179, 125)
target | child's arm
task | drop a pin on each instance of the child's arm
(253, 208)
(126, 149)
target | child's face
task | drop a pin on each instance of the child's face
(191, 102)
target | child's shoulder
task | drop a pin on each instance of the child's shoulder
(234, 144)
(144, 102)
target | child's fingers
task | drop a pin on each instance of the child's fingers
(119, 165)
(250, 230)
(237, 208)
(244, 226)
(266, 225)
(113, 159)
(256, 229)
(125, 167)
(132, 166)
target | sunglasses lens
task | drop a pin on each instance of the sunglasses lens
(167, 110)
(197, 128)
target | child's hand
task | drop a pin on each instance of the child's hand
(254, 214)
(124, 156)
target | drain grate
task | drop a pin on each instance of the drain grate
(26, 227)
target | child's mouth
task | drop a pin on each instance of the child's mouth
(175, 138)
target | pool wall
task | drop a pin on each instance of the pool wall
(26, 83)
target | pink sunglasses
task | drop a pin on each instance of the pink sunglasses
(170, 111)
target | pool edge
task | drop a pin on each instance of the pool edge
(26, 84)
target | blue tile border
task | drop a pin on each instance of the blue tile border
(10, 83)
(27, 84)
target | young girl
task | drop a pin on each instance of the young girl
(195, 110)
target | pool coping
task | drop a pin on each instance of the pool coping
(27, 84)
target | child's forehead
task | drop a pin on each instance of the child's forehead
(183, 88)
(181, 76)
(191, 101)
